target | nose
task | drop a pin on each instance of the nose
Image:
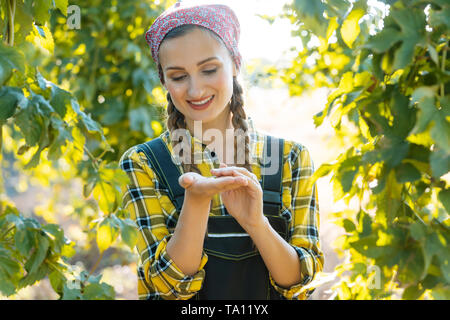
(196, 89)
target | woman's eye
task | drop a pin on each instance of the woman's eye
(210, 71)
(178, 78)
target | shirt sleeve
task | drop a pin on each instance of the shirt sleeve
(158, 276)
(304, 225)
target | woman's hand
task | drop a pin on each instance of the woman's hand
(204, 188)
(244, 203)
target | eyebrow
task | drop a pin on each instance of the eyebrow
(198, 64)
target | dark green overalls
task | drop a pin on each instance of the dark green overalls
(235, 269)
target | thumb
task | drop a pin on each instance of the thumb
(222, 165)
(186, 180)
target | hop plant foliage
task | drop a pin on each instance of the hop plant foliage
(388, 69)
(71, 102)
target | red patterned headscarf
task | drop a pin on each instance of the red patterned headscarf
(216, 17)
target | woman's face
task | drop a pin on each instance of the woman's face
(198, 68)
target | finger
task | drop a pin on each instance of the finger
(231, 170)
(222, 165)
(237, 182)
(227, 183)
(238, 179)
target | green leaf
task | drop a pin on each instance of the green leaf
(404, 117)
(433, 54)
(88, 187)
(440, 18)
(8, 266)
(444, 198)
(440, 162)
(129, 235)
(350, 27)
(10, 98)
(42, 11)
(24, 240)
(412, 25)
(338, 7)
(71, 293)
(106, 197)
(395, 152)
(346, 179)
(62, 6)
(311, 14)
(90, 124)
(32, 278)
(417, 230)
(106, 234)
(61, 134)
(413, 292)
(67, 250)
(426, 102)
(97, 291)
(59, 100)
(444, 260)
(31, 123)
(322, 171)
(9, 272)
(23, 20)
(349, 226)
(57, 236)
(364, 224)
(384, 40)
(406, 172)
(10, 59)
(39, 254)
(57, 281)
(440, 132)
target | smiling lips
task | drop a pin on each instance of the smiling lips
(201, 104)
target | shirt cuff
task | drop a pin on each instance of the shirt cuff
(307, 270)
(169, 279)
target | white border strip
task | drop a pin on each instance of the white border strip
(225, 235)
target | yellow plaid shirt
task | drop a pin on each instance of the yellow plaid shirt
(149, 205)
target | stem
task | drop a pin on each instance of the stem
(6, 232)
(11, 8)
(96, 263)
(94, 160)
(444, 57)
(51, 264)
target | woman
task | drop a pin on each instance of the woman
(221, 237)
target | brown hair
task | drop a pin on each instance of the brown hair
(176, 120)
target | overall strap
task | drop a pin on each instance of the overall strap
(272, 183)
(165, 169)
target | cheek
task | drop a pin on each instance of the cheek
(176, 92)
(223, 83)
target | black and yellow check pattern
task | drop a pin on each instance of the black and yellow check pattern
(149, 205)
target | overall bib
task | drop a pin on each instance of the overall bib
(235, 269)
